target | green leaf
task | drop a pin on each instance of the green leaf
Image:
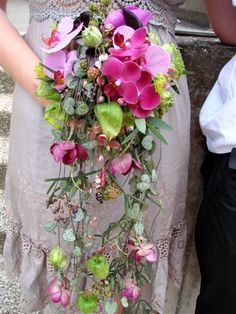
(77, 251)
(130, 136)
(50, 227)
(157, 133)
(57, 134)
(110, 116)
(46, 90)
(124, 302)
(69, 106)
(158, 123)
(54, 115)
(69, 235)
(110, 307)
(139, 228)
(147, 142)
(79, 216)
(71, 81)
(141, 125)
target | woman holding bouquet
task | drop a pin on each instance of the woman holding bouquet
(27, 243)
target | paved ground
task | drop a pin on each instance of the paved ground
(17, 11)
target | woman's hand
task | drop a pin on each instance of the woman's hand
(222, 16)
(17, 58)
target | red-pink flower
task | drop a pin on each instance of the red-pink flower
(131, 291)
(68, 152)
(124, 164)
(59, 292)
(126, 80)
(132, 44)
(143, 250)
(62, 63)
(116, 18)
(62, 35)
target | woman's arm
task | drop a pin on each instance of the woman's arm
(17, 58)
(222, 16)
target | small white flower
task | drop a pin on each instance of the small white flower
(98, 64)
(103, 57)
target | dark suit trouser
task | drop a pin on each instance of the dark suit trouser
(216, 237)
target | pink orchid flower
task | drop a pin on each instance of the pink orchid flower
(143, 250)
(116, 18)
(59, 292)
(132, 44)
(62, 63)
(68, 152)
(126, 80)
(122, 77)
(123, 164)
(62, 35)
(131, 291)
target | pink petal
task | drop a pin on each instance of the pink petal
(157, 60)
(124, 30)
(122, 164)
(152, 257)
(113, 68)
(70, 157)
(66, 145)
(56, 297)
(149, 98)
(81, 152)
(136, 293)
(71, 58)
(136, 165)
(130, 92)
(66, 25)
(131, 71)
(143, 15)
(139, 112)
(110, 91)
(55, 61)
(138, 37)
(65, 298)
(116, 18)
(145, 79)
(65, 40)
(57, 152)
(54, 286)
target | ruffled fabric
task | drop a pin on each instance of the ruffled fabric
(27, 260)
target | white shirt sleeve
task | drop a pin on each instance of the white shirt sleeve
(234, 3)
(218, 114)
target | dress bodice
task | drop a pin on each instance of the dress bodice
(163, 10)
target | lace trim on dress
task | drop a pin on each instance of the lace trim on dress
(29, 261)
(163, 13)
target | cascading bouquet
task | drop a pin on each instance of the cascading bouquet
(109, 84)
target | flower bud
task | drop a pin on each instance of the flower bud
(57, 257)
(87, 303)
(92, 37)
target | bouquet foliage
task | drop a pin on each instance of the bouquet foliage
(109, 84)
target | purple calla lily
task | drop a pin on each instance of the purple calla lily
(116, 18)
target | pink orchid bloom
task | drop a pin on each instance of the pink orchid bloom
(132, 44)
(126, 80)
(68, 152)
(62, 36)
(131, 291)
(122, 77)
(62, 63)
(59, 292)
(123, 164)
(143, 250)
(116, 18)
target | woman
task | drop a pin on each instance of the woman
(29, 162)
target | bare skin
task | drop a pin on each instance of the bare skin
(223, 19)
(16, 57)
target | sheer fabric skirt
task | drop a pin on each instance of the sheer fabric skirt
(30, 164)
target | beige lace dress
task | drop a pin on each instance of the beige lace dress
(27, 242)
